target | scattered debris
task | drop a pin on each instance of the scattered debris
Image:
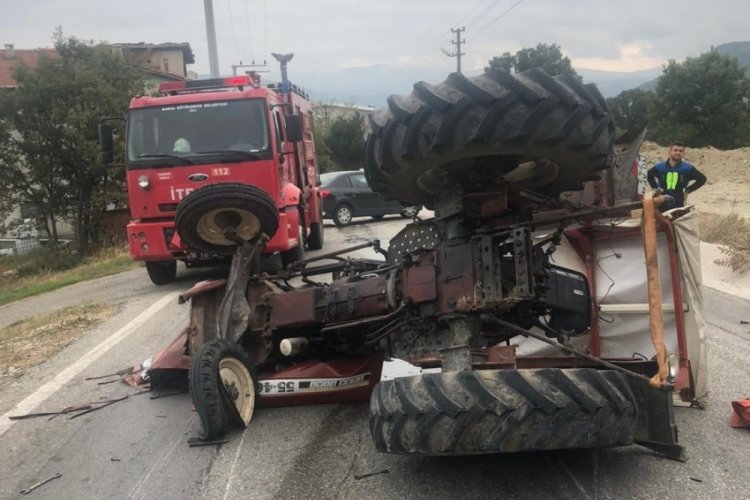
(160, 395)
(370, 474)
(52, 414)
(696, 479)
(40, 483)
(108, 382)
(743, 322)
(115, 460)
(101, 404)
(118, 373)
(195, 441)
(740, 413)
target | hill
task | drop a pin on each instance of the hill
(738, 50)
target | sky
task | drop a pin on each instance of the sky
(329, 35)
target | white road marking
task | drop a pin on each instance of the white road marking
(228, 487)
(62, 378)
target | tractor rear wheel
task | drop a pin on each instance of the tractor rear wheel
(500, 411)
(529, 131)
(205, 214)
(222, 385)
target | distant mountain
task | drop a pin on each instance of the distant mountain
(611, 83)
(738, 50)
(371, 85)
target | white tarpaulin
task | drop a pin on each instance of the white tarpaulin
(622, 296)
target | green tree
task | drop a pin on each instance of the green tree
(48, 151)
(702, 101)
(546, 56)
(630, 108)
(345, 141)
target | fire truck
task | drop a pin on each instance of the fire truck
(228, 145)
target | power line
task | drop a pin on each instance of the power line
(231, 23)
(249, 31)
(503, 14)
(484, 13)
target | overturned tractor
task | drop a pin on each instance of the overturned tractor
(497, 290)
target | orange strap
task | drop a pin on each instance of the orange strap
(656, 318)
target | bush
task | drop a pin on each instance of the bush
(48, 259)
(732, 232)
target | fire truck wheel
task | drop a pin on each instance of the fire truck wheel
(204, 215)
(498, 411)
(222, 385)
(476, 131)
(316, 237)
(162, 272)
(342, 215)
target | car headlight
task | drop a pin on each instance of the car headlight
(144, 182)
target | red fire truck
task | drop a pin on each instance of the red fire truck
(214, 142)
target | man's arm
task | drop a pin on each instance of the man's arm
(698, 180)
(653, 181)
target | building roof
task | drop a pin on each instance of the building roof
(187, 52)
(10, 58)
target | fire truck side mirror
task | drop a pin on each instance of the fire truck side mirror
(106, 148)
(293, 128)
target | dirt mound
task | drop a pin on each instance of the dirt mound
(728, 187)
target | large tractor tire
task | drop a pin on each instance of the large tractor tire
(204, 215)
(222, 385)
(530, 131)
(501, 411)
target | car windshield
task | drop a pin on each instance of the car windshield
(191, 130)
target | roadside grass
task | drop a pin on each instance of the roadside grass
(51, 268)
(29, 342)
(732, 233)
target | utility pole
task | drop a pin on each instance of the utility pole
(457, 42)
(213, 57)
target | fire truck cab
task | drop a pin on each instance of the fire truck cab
(205, 132)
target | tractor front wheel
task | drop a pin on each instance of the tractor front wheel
(222, 385)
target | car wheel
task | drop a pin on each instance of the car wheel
(410, 211)
(342, 216)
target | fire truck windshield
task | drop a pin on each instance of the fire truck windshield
(189, 133)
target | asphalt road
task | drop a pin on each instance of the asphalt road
(138, 448)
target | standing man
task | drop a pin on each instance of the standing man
(674, 176)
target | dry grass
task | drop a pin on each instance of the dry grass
(732, 233)
(17, 281)
(34, 340)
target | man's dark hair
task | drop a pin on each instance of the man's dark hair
(677, 143)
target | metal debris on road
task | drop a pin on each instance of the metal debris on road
(194, 441)
(40, 483)
(370, 474)
(101, 404)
